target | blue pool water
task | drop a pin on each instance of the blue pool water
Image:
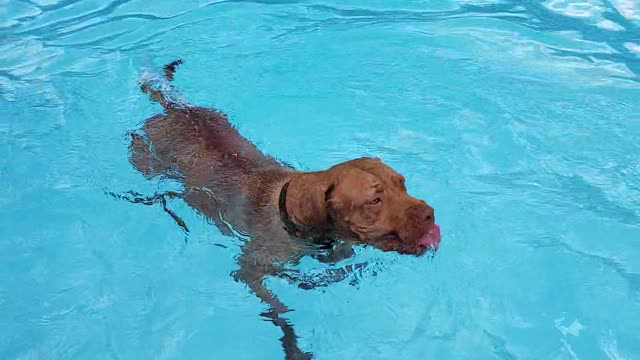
(519, 121)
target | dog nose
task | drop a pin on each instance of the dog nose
(428, 215)
(424, 213)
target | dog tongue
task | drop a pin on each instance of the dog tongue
(432, 238)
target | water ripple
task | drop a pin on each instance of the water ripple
(518, 120)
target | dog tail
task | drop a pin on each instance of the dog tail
(150, 84)
(170, 69)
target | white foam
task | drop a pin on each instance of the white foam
(610, 348)
(479, 2)
(46, 2)
(633, 47)
(629, 9)
(610, 25)
(577, 8)
(161, 84)
(573, 329)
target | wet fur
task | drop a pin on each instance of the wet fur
(228, 180)
(225, 174)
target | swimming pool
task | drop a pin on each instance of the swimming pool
(518, 121)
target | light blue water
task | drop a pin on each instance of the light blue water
(519, 121)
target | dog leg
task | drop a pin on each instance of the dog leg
(252, 273)
(341, 250)
(207, 205)
(136, 198)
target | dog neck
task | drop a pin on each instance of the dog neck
(321, 238)
(288, 223)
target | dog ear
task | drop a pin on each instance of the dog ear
(309, 196)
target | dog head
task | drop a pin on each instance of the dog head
(365, 201)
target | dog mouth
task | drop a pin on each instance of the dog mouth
(431, 240)
(428, 242)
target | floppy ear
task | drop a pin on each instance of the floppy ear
(309, 198)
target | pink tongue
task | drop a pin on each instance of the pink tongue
(432, 239)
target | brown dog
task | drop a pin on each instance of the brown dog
(286, 213)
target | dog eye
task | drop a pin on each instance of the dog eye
(375, 201)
